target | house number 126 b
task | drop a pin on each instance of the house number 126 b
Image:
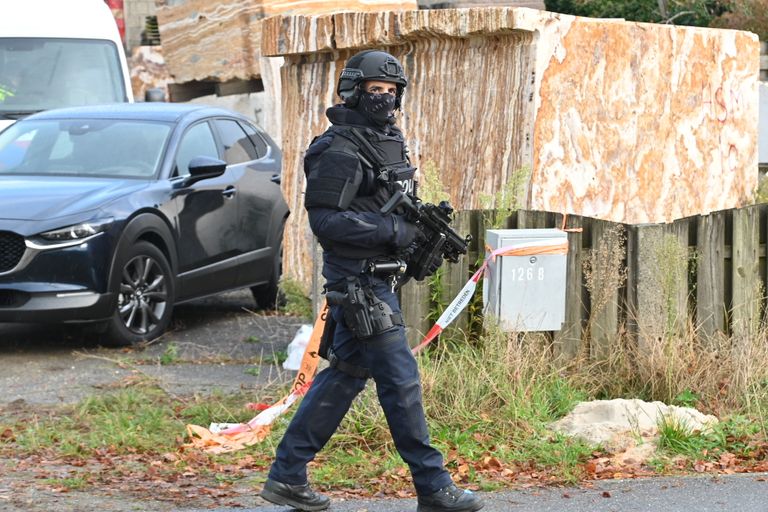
(528, 274)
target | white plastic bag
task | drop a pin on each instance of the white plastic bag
(296, 347)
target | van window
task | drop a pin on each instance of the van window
(40, 74)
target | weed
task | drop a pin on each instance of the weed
(170, 355)
(71, 484)
(253, 371)
(676, 436)
(279, 357)
(604, 273)
(432, 189)
(252, 339)
(297, 301)
(686, 398)
(499, 206)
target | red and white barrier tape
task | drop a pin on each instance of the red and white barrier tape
(246, 434)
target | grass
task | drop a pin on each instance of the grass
(297, 301)
(489, 403)
(170, 355)
(142, 419)
(70, 484)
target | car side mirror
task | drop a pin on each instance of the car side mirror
(205, 167)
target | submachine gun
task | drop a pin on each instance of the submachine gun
(440, 240)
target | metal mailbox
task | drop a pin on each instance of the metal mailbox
(526, 289)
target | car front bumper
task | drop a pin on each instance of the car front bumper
(68, 284)
(33, 304)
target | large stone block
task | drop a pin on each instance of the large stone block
(220, 40)
(624, 121)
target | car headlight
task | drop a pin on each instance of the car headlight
(78, 231)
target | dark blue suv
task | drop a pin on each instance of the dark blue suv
(113, 214)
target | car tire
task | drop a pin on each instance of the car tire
(145, 290)
(269, 295)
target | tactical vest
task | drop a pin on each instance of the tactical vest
(385, 168)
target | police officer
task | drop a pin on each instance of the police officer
(352, 170)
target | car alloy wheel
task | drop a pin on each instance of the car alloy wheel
(145, 288)
(143, 296)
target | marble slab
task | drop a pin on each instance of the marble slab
(623, 121)
(220, 41)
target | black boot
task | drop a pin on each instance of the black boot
(300, 497)
(450, 499)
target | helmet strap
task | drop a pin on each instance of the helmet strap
(353, 100)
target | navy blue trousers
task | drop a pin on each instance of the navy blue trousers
(395, 372)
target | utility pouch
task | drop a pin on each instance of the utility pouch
(365, 314)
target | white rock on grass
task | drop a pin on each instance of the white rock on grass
(619, 424)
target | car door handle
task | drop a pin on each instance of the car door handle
(229, 192)
(276, 178)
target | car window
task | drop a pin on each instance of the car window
(256, 138)
(198, 141)
(237, 146)
(83, 147)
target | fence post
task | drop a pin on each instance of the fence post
(645, 306)
(745, 308)
(604, 297)
(414, 303)
(455, 275)
(567, 343)
(675, 282)
(711, 308)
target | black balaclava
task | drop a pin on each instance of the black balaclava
(377, 108)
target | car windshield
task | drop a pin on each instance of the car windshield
(83, 147)
(41, 74)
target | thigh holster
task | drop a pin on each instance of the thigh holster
(364, 314)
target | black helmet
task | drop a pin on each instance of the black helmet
(370, 65)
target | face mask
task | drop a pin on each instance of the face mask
(377, 107)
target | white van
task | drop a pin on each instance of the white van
(59, 53)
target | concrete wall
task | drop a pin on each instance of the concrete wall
(628, 122)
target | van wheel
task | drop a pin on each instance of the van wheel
(145, 295)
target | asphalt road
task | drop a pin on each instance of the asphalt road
(732, 493)
(728, 493)
(215, 341)
(213, 344)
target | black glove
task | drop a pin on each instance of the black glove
(406, 233)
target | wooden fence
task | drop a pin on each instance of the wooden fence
(705, 273)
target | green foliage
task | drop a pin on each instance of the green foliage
(136, 420)
(499, 206)
(170, 355)
(129, 420)
(686, 398)
(70, 484)
(729, 436)
(297, 301)
(679, 12)
(751, 15)
(437, 302)
(431, 189)
(253, 371)
(279, 357)
(494, 396)
(761, 193)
